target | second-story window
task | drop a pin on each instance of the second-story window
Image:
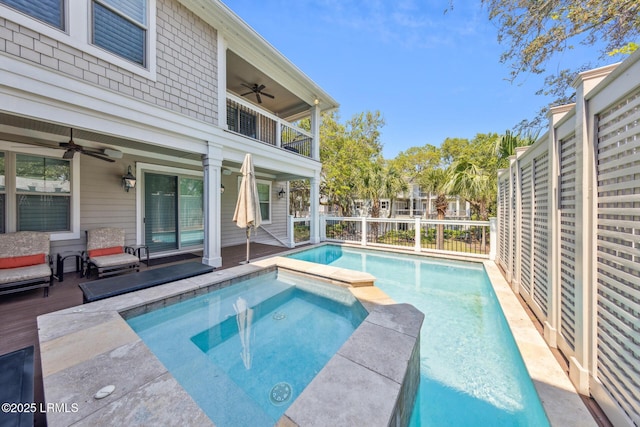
(48, 11)
(120, 26)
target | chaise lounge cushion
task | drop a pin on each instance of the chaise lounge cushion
(24, 273)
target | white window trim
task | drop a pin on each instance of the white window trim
(78, 34)
(11, 149)
(270, 184)
(141, 168)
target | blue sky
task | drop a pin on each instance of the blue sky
(431, 74)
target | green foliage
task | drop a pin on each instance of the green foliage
(346, 150)
(535, 31)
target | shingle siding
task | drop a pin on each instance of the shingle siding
(186, 68)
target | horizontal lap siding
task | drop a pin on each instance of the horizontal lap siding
(618, 253)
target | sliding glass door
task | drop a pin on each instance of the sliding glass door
(173, 211)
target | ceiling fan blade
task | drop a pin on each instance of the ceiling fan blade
(245, 94)
(268, 95)
(260, 88)
(69, 154)
(258, 96)
(246, 85)
(97, 156)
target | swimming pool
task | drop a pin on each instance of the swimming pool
(245, 352)
(471, 372)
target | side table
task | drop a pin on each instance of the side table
(137, 250)
(62, 256)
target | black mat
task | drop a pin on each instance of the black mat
(168, 259)
(16, 386)
(117, 285)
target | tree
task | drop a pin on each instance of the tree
(507, 144)
(535, 31)
(436, 181)
(345, 150)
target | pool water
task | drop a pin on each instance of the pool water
(245, 352)
(471, 372)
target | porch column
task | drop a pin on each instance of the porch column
(222, 81)
(314, 208)
(212, 165)
(315, 131)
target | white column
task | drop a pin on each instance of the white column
(314, 208)
(222, 81)
(315, 131)
(212, 166)
(493, 238)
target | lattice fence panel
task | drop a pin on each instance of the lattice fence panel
(567, 205)
(541, 231)
(526, 227)
(618, 253)
(503, 219)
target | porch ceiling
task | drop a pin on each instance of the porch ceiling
(48, 134)
(284, 105)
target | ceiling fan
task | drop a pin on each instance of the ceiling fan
(258, 91)
(71, 148)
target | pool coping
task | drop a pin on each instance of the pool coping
(85, 348)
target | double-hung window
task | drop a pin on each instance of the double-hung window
(39, 191)
(43, 193)
(50, 12)
(120, 27)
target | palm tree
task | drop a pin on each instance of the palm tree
(474, 185)
(379, 181)
(507, 144)
(436, 181)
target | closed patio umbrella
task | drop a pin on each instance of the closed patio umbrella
(247, 214)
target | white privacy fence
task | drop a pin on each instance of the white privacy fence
(569, 235)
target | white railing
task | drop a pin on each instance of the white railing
(246, 119)
(299, 231)
(471, 238)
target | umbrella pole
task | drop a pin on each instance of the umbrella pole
(248, 234)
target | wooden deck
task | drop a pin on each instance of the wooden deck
(18, 312)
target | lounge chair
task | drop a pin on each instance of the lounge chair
(107, 253)
(25, 262)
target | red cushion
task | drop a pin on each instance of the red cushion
(21, 261)
(106, 251)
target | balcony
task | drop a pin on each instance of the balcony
(248, 120)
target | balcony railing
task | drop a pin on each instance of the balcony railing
(246, 119)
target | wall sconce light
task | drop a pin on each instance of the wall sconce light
(281, 193)
(221, 189)
(128, 181)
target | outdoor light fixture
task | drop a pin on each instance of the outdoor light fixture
(128, 181)
(281, 193)
(221, 188)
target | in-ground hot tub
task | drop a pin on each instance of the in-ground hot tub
(245, 352)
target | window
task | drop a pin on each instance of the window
(48, 11)
(43, 193)
(120, 26)
(264, 195)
